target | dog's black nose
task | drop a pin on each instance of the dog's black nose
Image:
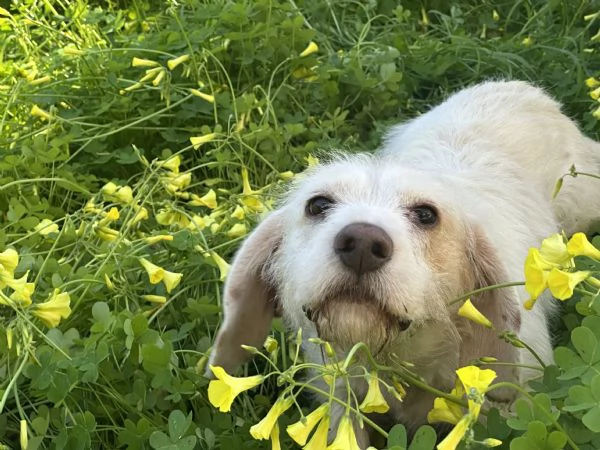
(363, 247)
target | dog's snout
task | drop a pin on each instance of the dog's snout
(363, 247)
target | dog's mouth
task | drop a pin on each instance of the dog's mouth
(348, 316)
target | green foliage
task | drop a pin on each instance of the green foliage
(123, 371)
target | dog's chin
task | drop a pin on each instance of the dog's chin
(346, 320)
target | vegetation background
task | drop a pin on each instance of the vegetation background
(93, 92)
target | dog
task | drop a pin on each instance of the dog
(374, 247)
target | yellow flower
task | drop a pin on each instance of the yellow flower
(374, 401)
(23, 435)
(200, 223)
(158, 238)
(70, 50)
(287, 175)
(41, 80)
(238, 213)
(36, 111)
(158, 78)
(46, 227)
(124, 195)
(22, 291)
(209, 200)
(141, 62)
(171, 280)
(399, 392)
(262, 430)
(165, 217)
(310, 49)
(345, 438)
(311, 160)
(271, 345)
(90, 207)
(318, 441)
(55, 308)
(238, 230)
(109, 188)
(197, 141)
(495, 16)
(275, 444)
(172, 63)
(221, 264)
(9, 259)
(455, 436)
(536, 273)
(209, 98)
(121, 194)
(554, 251)
(491, 442)
(223, 390)
(563, 283)
(111, 216)
(106, 233)
(579, 245)
(595, 94)
(177, 182)
(528, 41)
(592, 83)
(160, 299)
(250, 199)
(109, 284)
(444, 411)
(300, 430)
(155, 273)
(476, 382)
(141, 214)
(469, 311)
(172, 164)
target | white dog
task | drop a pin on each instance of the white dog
(372, 248)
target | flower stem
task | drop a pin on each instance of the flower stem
(485, 289)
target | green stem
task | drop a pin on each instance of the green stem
(485, 289)
(12, 382)
(585, 174)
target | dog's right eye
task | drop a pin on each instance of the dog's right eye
(317, 206)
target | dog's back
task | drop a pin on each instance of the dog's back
(523, 132)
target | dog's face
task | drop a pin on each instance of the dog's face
(362, 250)
(371, 252)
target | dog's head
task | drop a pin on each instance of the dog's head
(364, 250)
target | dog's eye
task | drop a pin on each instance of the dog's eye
(317, 206)
(425, 214)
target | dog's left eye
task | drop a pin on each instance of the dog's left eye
(317, 206)
(425, 214)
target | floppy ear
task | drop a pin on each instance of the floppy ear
(248, 300)
(501, 306)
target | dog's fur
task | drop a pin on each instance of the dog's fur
(488, 159)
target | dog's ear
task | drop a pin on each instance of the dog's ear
(501, 306)
(249, 299)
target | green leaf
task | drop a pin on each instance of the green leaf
(397, 436)
(424, 439)
(584, 340)
(178, 424)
